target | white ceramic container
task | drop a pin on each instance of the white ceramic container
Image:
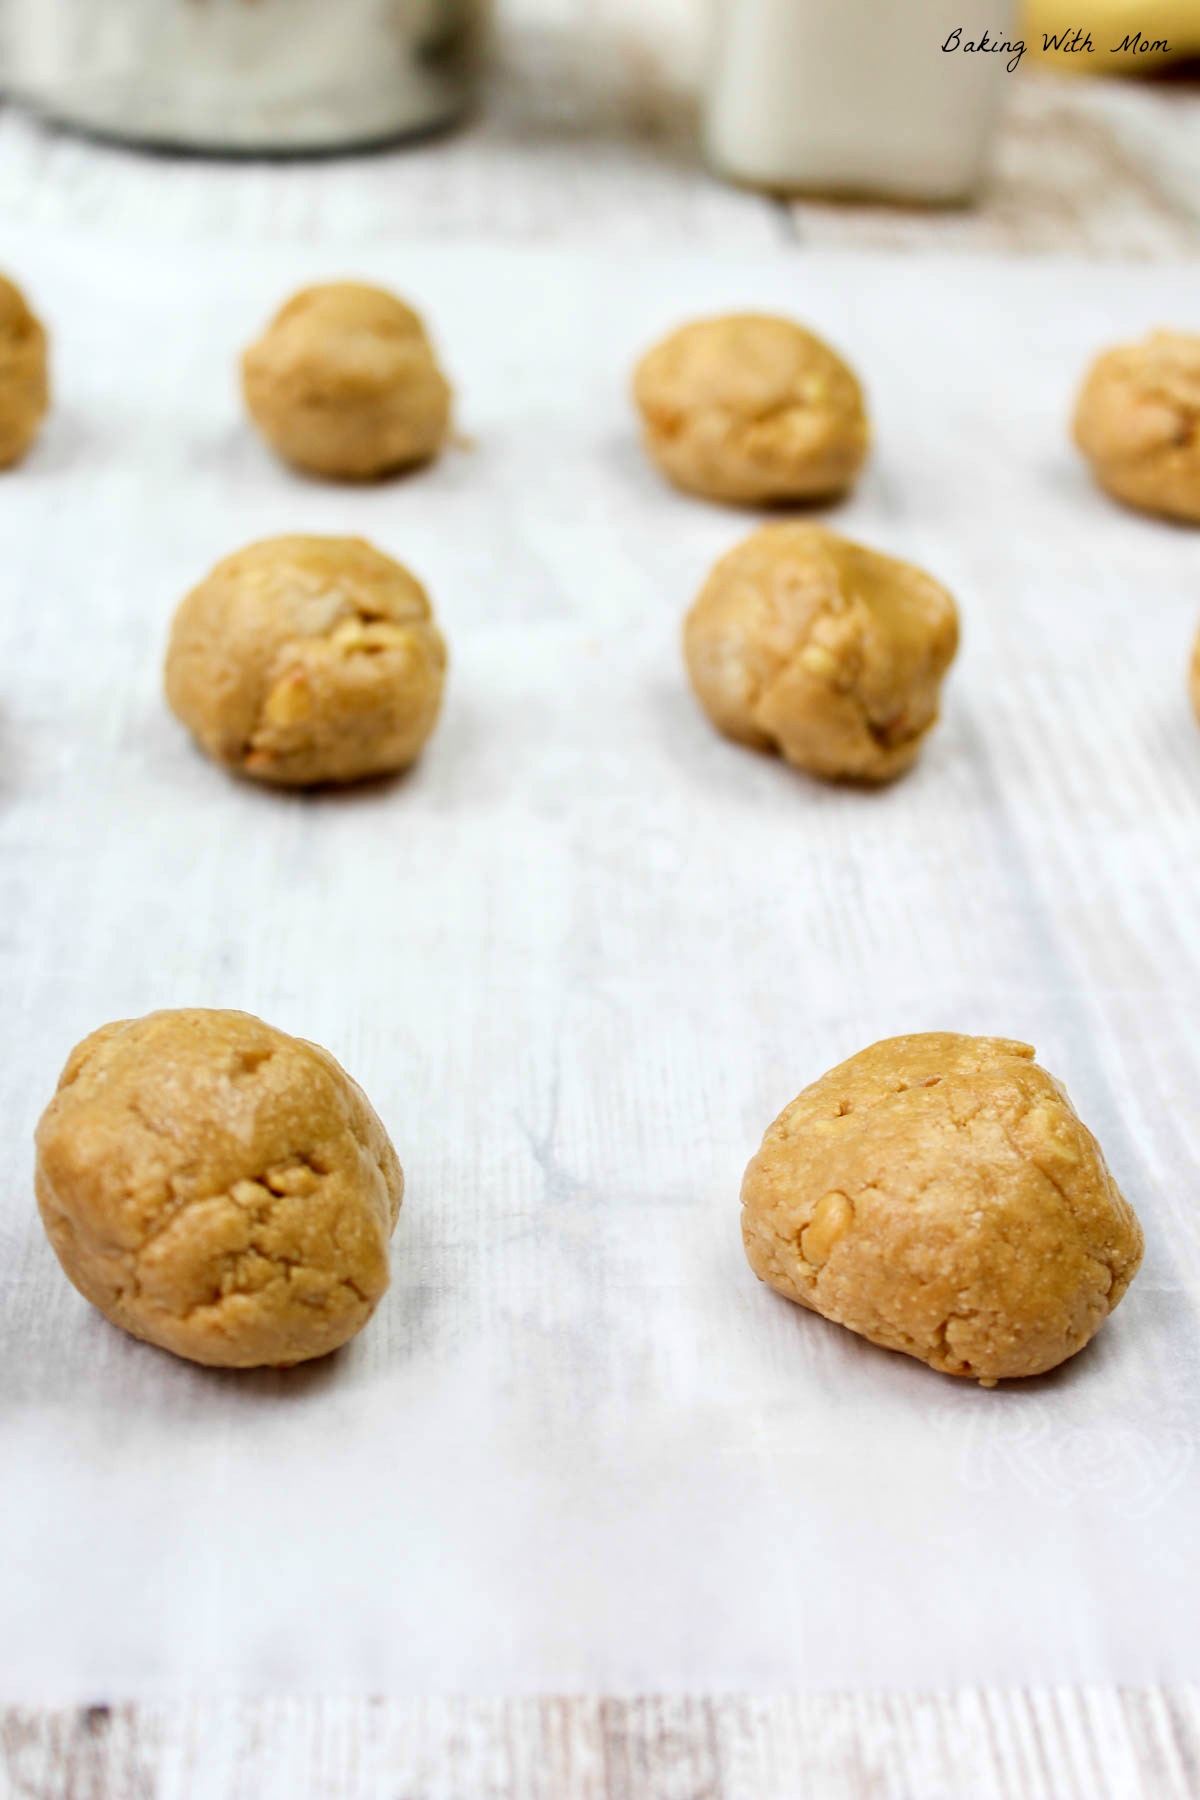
(857, 97)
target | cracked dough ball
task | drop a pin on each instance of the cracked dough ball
(307, 659)
(218, 1188)
(24, 383)
(938, 1195)
(832, 654)
(751, 409)
(344, 382)
(1137, 421)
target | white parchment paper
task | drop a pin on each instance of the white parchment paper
(579, 960)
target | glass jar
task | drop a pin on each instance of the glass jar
(245, 76)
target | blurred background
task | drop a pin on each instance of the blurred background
(736, 121)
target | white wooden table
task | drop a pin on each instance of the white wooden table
(589, 128)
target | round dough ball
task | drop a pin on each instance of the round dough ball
(344, 382)
(307, 659)
(751, 409)
(1194, 678)
(24, 382)
(218, 1188)
(938, 1195)
(1137, 421)
(832, 654)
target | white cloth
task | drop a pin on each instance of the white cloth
(579, 960)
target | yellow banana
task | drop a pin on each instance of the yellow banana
(1128, 38)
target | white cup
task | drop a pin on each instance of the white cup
(858, 97)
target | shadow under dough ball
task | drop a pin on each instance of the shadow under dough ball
(304, 660)
(938, 1195)
(753, 410)
(24, 379)
(344, 383)
(803, 642)
(1137, 421)
(218, 1188)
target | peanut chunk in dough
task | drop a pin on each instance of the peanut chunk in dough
(803, 642)
(753, 410)
(218, 1188)
(1137, 421)
(303, 660)
(939, 1195)
(344, 382)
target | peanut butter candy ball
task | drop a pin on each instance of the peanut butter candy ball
(805, 643)
(218, 1188)
(751, 409)
(303, 660)
(344, 382)
(1194, 678)
(1137, 421)
(938, 1195)
(24, 383)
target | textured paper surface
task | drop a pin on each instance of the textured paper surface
(579, 960)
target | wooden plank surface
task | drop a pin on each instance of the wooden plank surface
(1082, 168)
(977, 1744)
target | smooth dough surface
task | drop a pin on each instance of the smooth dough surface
(303, 660)
(218, 1188)
(751, 409)
(344, 382)
(24, 379)
(803, 642)
(939, 1195)
(1137, 421)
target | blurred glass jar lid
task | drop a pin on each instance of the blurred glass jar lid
(245, 75)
